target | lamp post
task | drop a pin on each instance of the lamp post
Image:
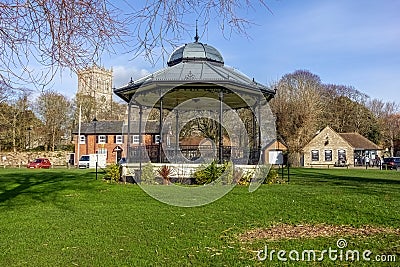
(95, 141)
(29, 129)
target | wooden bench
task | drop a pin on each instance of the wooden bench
(324, 165)
(321, 165)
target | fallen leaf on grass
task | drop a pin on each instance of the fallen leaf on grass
(285, 231)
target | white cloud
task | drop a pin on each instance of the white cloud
(122, 74)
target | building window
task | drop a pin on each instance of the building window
(342, 155)
(157, 139)
(102, 150)
(135, 139)
(314, 155)
(328, 155)
(102, 139)
(119, 139)
(82, 139)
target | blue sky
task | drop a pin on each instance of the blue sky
(355, 43)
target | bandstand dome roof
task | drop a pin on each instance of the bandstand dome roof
(195, 52)
(195, 70)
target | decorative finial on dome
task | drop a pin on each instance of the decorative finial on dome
(196, 38)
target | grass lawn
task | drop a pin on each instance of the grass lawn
(65, 217)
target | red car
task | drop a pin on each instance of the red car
(39, 163)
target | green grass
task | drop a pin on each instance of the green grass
(67, 218)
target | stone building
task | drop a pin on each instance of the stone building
(329, 148)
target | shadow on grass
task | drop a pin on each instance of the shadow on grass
(40, 184)
(355, 177)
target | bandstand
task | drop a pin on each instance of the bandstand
(197, 84)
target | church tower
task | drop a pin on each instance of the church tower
(96, 82)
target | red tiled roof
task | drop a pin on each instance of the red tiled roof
(358, 141)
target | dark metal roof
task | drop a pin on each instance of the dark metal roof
(117, 127)
(197, 78)
(195, 70)
(195, 52)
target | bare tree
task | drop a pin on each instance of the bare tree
(73, 34)
(161, 23)
(205, 124)
(5, 91)
(345, 111)
(90, 110)
(53, 109)
(298, 110)
(88, 107)
(53, 34)
(387, 114)
(16, 118)
(338, 107)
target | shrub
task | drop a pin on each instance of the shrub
(112, 172)
(209, 173)
(237, 175)
(228, 173)
(147, 176)
(244, 177)
(165, 172)
(272, 177)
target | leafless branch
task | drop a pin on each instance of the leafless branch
(162, 23)
(38, 37)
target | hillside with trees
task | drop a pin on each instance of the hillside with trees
(304, 105)
(46, 122)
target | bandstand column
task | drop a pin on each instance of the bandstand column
(220, 137)
(160, 132)
(140, 137)
(176, 133)
(259, 128)
(254, 152)
(128, 135)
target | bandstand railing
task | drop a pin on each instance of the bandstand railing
(250, 156)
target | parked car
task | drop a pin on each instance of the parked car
(89, 161)
(392, 163)
(39, 163)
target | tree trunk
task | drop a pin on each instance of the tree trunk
(391, 144)
(14, 134)
(294, 159)
(53, 140)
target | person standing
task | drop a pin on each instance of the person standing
(366, 162)
(378, 162)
